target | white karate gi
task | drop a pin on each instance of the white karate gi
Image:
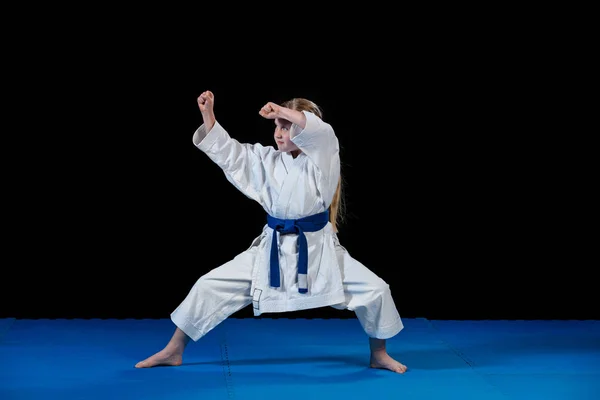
(286, 188)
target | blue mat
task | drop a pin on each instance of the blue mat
(530, 359)
(301, 359)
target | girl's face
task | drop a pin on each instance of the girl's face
(282, 136)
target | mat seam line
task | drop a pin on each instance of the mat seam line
(469, 362)
(227, 368)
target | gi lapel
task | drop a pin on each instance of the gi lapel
(294, 167)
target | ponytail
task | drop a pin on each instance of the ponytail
(336, 210)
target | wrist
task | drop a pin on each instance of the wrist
(209, 120)
(295, 117)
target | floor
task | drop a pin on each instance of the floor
(254, 358)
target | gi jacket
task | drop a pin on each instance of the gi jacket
(286, 188)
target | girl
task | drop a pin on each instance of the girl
(297, 261)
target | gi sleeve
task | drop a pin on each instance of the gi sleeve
(318, 141)
(241, 162)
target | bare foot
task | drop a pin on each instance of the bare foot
(383, 360)
(163, 357)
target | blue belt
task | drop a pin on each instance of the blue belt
(311, 223)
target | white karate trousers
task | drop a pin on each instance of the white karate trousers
(226, 290)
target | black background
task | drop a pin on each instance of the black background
(458, 193)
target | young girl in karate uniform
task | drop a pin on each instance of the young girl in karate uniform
(297, 261)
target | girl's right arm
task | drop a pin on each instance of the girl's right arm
(242, 163)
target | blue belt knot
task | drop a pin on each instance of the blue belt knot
(312, 223)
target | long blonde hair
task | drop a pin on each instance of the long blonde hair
(337, 207)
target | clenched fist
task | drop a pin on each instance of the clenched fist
(206, 101)
(270, 111)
